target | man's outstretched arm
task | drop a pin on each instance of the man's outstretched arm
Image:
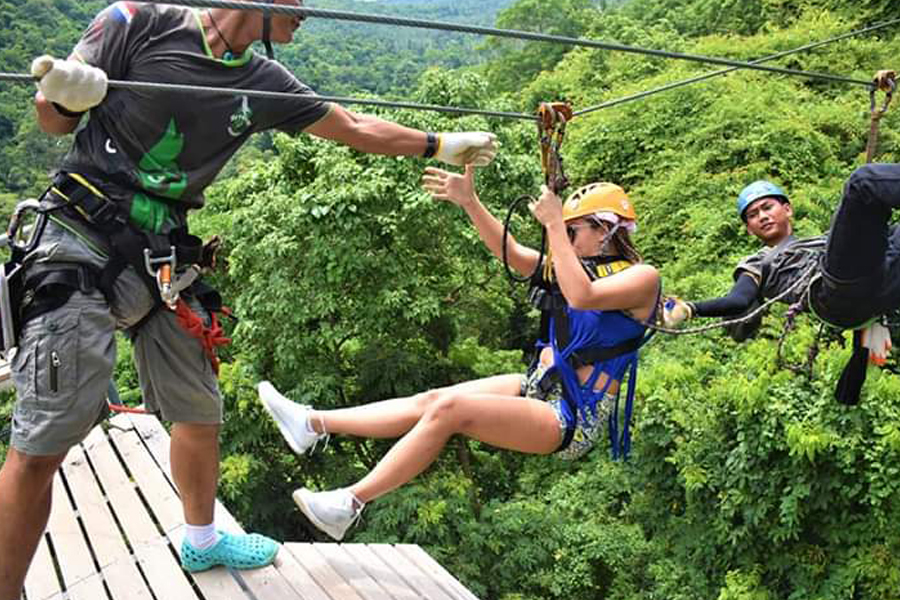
(378, 136)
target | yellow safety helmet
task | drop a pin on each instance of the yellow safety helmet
(598, 197)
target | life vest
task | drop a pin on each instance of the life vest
(607, 340)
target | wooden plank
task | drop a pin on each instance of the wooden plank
(297, 575)
(263, 583)
(157, 440)
(71, 550)
(90, 589)
(347, 567)
(166, 506)
(42, 581)
(381, 572)
(421, 558)
(121, 574)
(323, 573)
(160, 568)
(410, 572)
(101, 528)
(159, 494)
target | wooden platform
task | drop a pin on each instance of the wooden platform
(117, 522)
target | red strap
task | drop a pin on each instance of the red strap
(210, 337)
(120, 408)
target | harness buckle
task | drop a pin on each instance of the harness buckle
(161, 268)
(32, 230)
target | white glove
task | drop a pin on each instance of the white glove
(676, 311)
(877, 338)
(73, 85)
(467, 148)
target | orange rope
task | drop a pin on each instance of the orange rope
(210, 337)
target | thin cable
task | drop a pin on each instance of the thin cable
(699, 78)
(194, 89)
(804, 279)
(492, 31)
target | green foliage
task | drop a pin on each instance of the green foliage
(346, 58)
(29, 28)
(747, 480)
(515, 62)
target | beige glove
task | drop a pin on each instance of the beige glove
(877, 338)
(73, 85)
(676, 311)
(467, 148)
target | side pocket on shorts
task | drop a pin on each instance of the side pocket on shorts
(56, 358)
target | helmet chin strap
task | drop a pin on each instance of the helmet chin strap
(608, 239)
(267, 31)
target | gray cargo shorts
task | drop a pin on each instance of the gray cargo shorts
(66, 357)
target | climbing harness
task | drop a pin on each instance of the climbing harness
(548, 298)
(169, 264)
(551, 126)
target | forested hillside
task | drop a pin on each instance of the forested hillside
(747, 481)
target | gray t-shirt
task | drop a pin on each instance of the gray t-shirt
(171, 145)
(777, 269)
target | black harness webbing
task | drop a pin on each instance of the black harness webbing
(129, 243)
(79, 198)
(48, 290)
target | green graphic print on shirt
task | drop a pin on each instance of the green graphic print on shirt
(160, 175)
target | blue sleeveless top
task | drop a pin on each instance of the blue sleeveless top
(592, 329)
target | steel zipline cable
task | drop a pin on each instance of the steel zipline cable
(304, 11)
(699, 78)
(177, 87)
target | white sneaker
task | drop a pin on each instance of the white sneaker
(332, 512)
(292, 418)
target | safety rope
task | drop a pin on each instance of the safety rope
(194, 89)
(884, 81)
(551, 124)
(704, 77)
(210, 337)
(305, 11)
(804, 279)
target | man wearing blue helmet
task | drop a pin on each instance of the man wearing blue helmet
(767, 213)
(854, 269)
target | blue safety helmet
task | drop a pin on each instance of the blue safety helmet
(755, 191)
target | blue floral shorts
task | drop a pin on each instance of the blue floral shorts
(587, 429)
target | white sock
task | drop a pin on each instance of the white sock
(201, 537)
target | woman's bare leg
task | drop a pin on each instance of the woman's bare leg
(503, 421)
(393, 418)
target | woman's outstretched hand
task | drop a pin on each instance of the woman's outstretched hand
(548, 208)
(453, 187)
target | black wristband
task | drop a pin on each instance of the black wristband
(66, 112)
(431, 144)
